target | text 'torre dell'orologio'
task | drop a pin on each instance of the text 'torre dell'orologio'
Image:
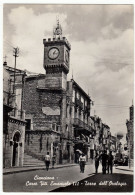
(53, 53)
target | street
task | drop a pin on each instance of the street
(56, 180)
(116, 182)
(28, 181)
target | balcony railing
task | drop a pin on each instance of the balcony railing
(18, 114)
(79, 123)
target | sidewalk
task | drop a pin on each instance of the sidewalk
(25, 169)
(125, 168)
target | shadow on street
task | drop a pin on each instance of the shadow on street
(115, 182)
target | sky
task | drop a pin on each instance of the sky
(101, 57)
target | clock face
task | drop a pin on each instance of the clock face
(67, 56)
(53, 53)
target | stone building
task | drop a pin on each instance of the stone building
(102, 136)
(13, 117)
(113, 144)
(106, 137)
(57, 110)
(130, 136)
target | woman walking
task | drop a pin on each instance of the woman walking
(82, 161)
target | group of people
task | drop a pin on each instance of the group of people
(107, 162)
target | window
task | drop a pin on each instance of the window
(54, 126)
(77, 95)
(66, 127)
(73, 97)
(28, 124)
(82, 100)
(67, 111)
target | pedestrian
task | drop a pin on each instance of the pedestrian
(47, 161)
(110, 162)
(82, 161)
(104, 158)
(53, 161)
(96, 162)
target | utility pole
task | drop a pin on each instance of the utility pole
(5, 57)
(16, 54)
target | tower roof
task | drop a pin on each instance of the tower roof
(57, 31)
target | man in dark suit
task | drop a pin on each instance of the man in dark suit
(104, 158)
(110, 162)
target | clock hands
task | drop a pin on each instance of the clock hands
(55, 52)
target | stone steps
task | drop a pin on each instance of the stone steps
(30, 161)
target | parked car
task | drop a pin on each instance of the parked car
(125, 161)
(118, 160)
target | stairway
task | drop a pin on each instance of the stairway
(30, 161)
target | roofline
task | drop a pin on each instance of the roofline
(74, 82)
(12, 69)
(35, 76)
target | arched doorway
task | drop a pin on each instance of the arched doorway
(15, 157)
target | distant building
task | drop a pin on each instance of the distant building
(102, 135)
(130, 136)
(13, 117)
(113, 147)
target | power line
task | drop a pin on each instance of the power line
(119, 124)
(112, 106)
(9, 44)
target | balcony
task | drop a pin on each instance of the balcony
(81, 125)
(87, 110)
(78, 103)
(18, 114)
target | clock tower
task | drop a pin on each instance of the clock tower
(56, 59)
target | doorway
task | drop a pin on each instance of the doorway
(15, 157)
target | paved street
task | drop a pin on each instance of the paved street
(18, 182)
(56, 179)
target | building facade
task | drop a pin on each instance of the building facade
(13, 117)
(130, 136)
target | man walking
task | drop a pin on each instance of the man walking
(47, 161)
(110, 162)
(104, 157)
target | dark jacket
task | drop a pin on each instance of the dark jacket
(104, 158)
(110, 159)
